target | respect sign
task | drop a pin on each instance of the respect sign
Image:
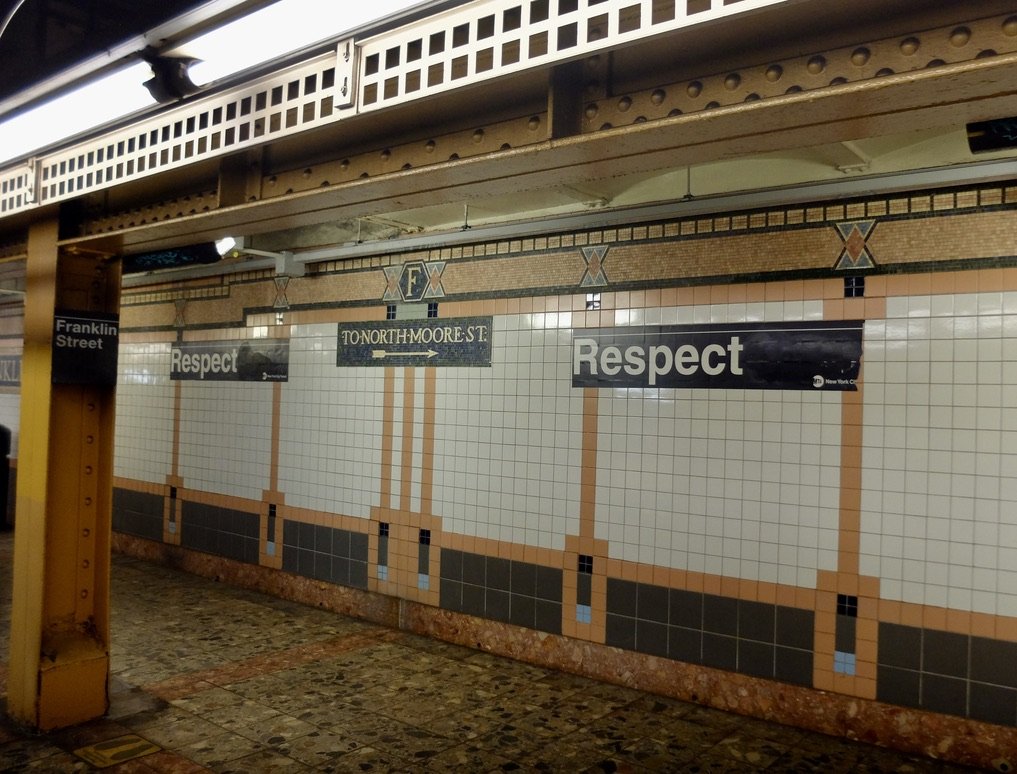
(767, 356)
(257, 360)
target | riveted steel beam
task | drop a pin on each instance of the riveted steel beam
(59, 657)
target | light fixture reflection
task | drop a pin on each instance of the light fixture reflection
(172, 258)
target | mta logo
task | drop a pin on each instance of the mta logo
(414, 281)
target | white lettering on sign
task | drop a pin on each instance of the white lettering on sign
(86, 327)
(204, 363)
(438, 334)
(430, 342)
(686, 359)
(82, 334)
(84, 348)
(77, 342)
(10, 370)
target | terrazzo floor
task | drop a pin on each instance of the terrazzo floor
(226, 680)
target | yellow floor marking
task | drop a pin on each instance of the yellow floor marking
(114, 751)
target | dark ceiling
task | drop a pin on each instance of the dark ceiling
(47, 36)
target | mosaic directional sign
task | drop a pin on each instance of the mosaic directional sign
(460, 341)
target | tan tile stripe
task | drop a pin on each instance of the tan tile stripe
(170, 511)
(387, 430)
(847, 579)
(148, 487)
(178, 387)
(406, 475)
(849, 543)
(266, 663)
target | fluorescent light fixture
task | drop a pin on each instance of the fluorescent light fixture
(282, 28)
(96, 103)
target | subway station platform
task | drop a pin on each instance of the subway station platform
(212, 678)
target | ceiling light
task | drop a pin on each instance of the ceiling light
(285, 27)
(279, 29)
(285, 262)
(93, 104)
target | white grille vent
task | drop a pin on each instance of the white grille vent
(17, 189)
(491, 38)
(298, 99)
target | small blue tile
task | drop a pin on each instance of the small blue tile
(844, 663)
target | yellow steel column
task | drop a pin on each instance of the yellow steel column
(59, 654)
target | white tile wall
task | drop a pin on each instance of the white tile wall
(729, 482)
(331, 428)
(736, 483)
(939, 478)
(226, 437)
(740, 483)
(508, 439)
(143, 446)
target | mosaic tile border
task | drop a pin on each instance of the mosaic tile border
(939, 202)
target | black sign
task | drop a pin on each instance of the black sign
(756, 356)
(260, 360)
(10, 370)
(459, 341)
(85, 348)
